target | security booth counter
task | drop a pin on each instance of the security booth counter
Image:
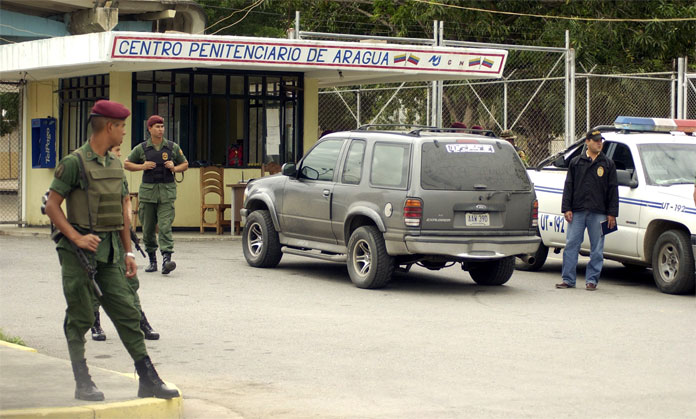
(236, 102)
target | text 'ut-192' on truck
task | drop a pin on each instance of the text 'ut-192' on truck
(656, 169)
(380, 200)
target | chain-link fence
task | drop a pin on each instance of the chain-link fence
(600, 98)
(690, 96)
(529, 101)
(10, 152)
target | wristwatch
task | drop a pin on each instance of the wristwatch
(131, 254)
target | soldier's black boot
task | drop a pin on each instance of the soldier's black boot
(150, 383)
(97, 331)
(168, 264)
(152, 267)
(85, 388)
(149, 332)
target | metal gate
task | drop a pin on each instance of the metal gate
(10, 152)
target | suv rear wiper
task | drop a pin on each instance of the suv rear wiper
(492, 194)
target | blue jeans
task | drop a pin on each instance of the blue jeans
(576, 231)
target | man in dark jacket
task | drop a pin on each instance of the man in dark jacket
(590, 196)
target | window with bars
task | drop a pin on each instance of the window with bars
(228, 118)
(76, 96)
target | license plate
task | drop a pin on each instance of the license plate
(478, 219)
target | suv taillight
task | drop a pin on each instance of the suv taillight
(535, 214)
(413, 212)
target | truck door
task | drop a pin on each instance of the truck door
(306, 210)
(624, 241)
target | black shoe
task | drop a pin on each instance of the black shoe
(97, 331)
(85, 389)
(152, 267)
(168, 264)
(150, 334)
(151, 385)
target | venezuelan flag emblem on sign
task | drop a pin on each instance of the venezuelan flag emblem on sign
(399, 58)
(413, 59)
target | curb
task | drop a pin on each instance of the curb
(142, 408)
(15, 346)
(138, 408)
(183, 236)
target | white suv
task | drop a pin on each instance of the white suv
(656, 168)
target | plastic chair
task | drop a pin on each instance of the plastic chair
(211, 181)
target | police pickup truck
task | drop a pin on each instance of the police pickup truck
(656, 167)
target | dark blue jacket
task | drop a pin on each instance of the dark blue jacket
(591, 186)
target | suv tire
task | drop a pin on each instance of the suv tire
(673, 263)
(260, 241)
(369, 265)
(495, 272)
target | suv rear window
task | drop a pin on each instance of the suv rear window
(458, 166)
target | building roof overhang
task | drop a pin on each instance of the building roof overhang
(332, 63)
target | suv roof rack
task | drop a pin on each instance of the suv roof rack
(367, 127)
(485, 132)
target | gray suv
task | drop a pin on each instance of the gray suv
(385, 200)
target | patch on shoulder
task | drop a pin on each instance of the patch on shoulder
(59, 171)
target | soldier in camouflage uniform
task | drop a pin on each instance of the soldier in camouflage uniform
(159, 159)
(97, 331)
(92, 182)
(508, 136)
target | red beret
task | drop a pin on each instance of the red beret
(458, 125)
(154, 119)
(109, 109)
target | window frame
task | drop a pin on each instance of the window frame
(83, 92)
(290, 91)
(341, 144)
(408, 146)
(346, 161)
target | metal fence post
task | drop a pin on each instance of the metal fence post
(297, 24)
(571, 114)
(566, 82)
(357, 110)
(505, 103)
(681, 91)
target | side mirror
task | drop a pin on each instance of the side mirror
(625, 178)
(559, 162)
(289, 169)
(309, 173)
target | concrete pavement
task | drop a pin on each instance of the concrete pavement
(35, 385)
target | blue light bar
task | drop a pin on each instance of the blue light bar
(635, 123)
(655, 124)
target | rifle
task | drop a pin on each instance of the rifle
(79, 252)
(136, 242)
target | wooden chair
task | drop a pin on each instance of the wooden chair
(270, 168)
(134, 209)
(212, 183)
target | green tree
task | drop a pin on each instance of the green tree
(628, 46)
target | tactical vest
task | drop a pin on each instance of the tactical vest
(104, 186)
(159, 174)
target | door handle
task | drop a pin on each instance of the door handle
(326, 193)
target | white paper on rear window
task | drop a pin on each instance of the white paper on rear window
(469, 148)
